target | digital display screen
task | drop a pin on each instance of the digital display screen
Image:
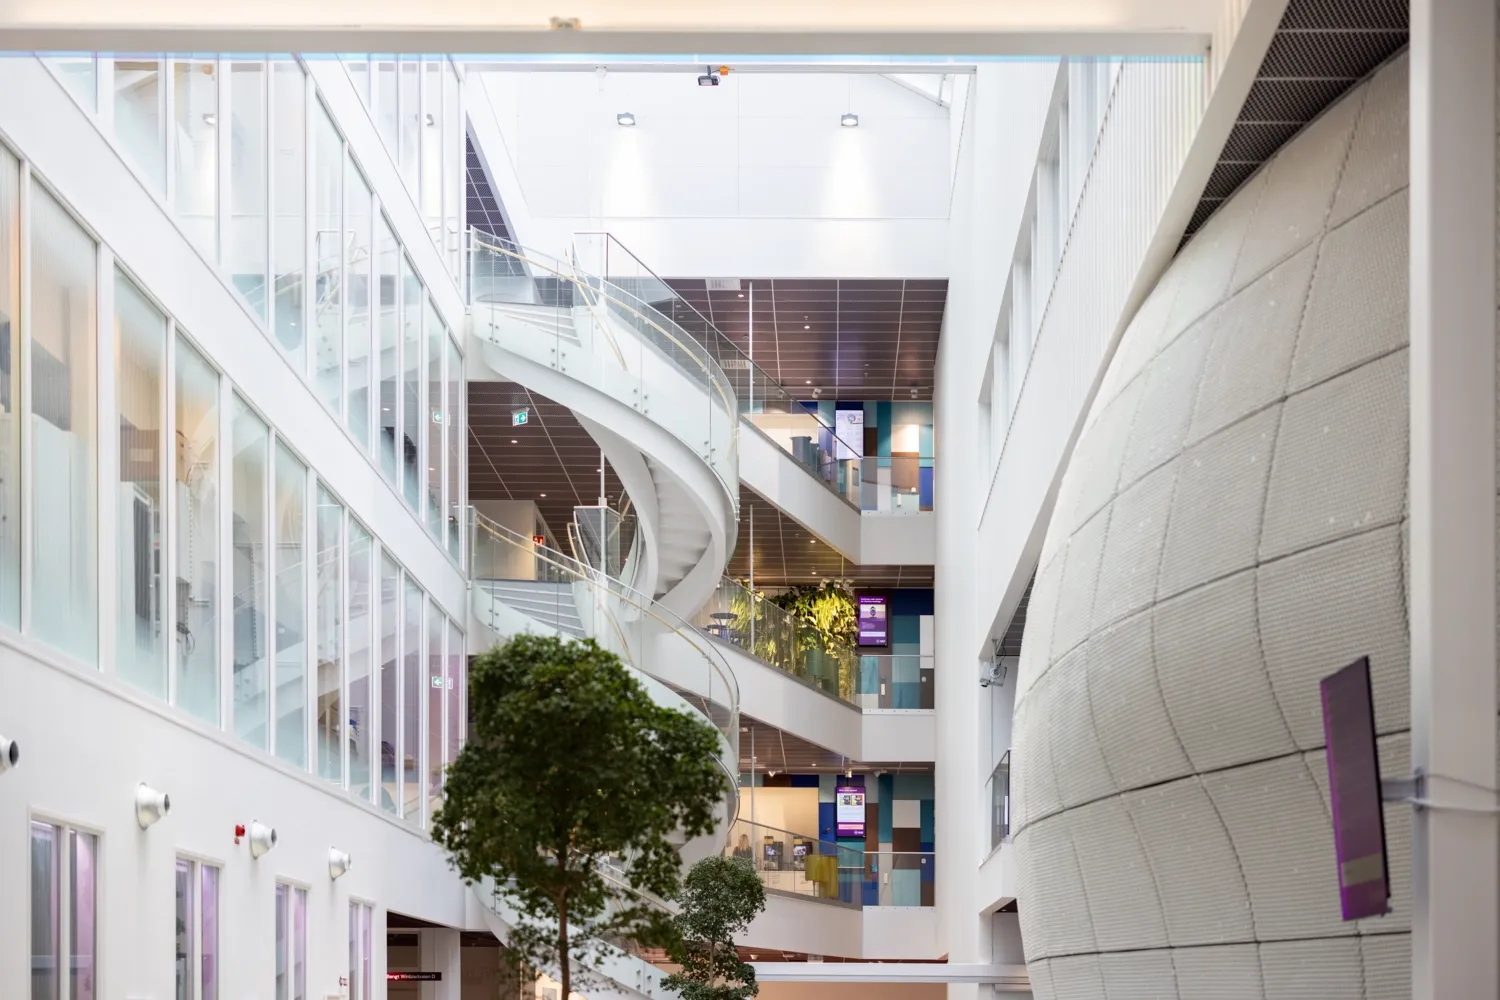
(849, 811)
(874, 621)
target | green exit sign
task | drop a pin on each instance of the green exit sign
(519, 417)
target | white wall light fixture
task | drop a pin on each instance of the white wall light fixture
(262, 838)
(339, 862)
(150, 805)
(849, 120)
(625, 118)
(10, 754)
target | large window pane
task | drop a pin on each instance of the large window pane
(411, 117)
(64, 592)
(413, 676)
(383, 97)
(358, 270)
(436, 689)
(390, 687)
(458, 682)
(138, 117)
(245, 253)
(46, 928)
(299, 944)
(453, 426)
(290, 699)
(328, 240)
(195, 150)
(185, 926)
(432, 147)
(388, 344)
(453, 171)
(208, 915)
(10, 392)
(141, 393)
(250, 541)
(80, 75)
(329, 601)
(283, 938)
(197, 534)
(435, 419)
(359, 649)
(412, 298)
(83, 916)
(359, 73)
(289, 201)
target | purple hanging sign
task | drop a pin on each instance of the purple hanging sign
(1354, 782)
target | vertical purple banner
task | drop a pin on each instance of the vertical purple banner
(1354, 781)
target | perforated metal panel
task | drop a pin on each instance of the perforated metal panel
(1320, 50)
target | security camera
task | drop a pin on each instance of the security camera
(150, 805)
(262, 838)
(338, 862)
(10, 754)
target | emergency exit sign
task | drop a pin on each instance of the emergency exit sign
(519, 417)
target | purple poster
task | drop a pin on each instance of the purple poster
(1354, 780)
(849, 810)
(873, 620)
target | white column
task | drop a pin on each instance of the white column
(1455, 895)
(440, 952)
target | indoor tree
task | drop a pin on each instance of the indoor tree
(720, 897)
(569, 763)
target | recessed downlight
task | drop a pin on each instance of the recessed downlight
(625, 118)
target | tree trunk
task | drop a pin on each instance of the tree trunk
(562, 947)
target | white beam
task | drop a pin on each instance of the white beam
(1000, 976)
(1455, 848)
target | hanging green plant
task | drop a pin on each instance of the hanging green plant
(827, 610)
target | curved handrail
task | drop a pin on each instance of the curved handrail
(564, 568)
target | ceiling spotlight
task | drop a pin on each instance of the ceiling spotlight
(849, 120)
(809, 381)
(150, 805)
(514, 441)
(262, 838)
(544, 496)
(742, 295)
(806, 326)
(708, 79)
(913, 392)
(10, 754)
(339, 862)
(626, 118)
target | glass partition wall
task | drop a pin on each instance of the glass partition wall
(295, 225)
(239, 587)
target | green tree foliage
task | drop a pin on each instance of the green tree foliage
(570, 763)
(719, 899)
(828, 610)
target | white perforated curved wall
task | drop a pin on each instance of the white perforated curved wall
(1230, 530)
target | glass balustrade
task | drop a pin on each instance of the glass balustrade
(874, 484)
(832, 870)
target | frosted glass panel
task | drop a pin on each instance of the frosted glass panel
(10, 393)
(290, 696)
(250, 549)
(183, 925)
(413, 678)
(328, 240)
(245, 253)
(289, 202)
(46, 907)
(64, 459)
(358, 656)
(196, 486)
(358, 272)
(388, 344)
(138, 117)
(390, 683)
(195, 150)
(141, 394)
(329, 601)
(83, 916)
(208, 908)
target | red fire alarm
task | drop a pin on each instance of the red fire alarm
(239, 831)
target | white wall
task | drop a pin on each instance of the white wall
(753, 177)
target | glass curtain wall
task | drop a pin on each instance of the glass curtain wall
(250, 484)
(141, 395)
(245, 252)
(388, 344)
(453, 426)
(390, 684)
(288, 123)
(412, 297)
(196, 541)
(359, 270)
(453, 172)
(431, 200)
(410, 120)
(329, 601)
(437, 700)
(289, 700)
(64, 453)
(10, 390)
(195, 149)
(412, 679)
(383, 98)
(359, 643)
(139, 110)
(458, 695)
(437, 338)
(328, 239)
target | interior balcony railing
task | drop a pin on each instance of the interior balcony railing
(865, 680)
(866, 483)
(572, 312)
(515, 581)
(833, 871)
